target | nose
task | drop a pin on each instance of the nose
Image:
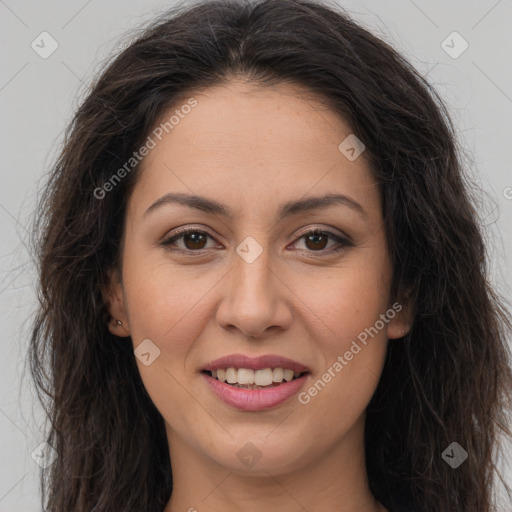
(255, 299)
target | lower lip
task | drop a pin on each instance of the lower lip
(255, 399)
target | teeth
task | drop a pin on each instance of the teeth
(263, 377)
(288, 375)
(231, 376)
(245, 376)
(249, 377)
(277, 375)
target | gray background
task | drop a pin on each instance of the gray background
(38, 96)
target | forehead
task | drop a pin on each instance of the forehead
(242, 142)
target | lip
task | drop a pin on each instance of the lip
(255, 399)
(256, 363)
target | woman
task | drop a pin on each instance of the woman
(263, 286)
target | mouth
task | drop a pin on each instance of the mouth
(247, 378)
(255, 383)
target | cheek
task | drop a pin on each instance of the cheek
(335, 402)
(353, 353)
(352, 337)
(164, 300)
(346, 301)
(166, 304)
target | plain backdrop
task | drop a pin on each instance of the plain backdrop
(38, 96)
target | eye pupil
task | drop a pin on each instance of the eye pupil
(314, 238)
(194, 236)
(315, 241)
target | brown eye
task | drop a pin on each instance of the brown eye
(193, 240)
(317, 241)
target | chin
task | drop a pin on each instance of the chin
(250, 456)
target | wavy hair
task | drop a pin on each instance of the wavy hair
(449, 379)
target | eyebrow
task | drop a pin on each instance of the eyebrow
(287, 209)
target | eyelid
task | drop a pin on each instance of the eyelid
(178, 232)
(342, 240)
(324, 230)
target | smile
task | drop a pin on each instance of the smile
(255, 383)
(247, 378)
(253, 397)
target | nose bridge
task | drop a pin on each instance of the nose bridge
(251, 265)
(252, 302)
(251, 280)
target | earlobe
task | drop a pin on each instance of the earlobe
(395, 332)
(117, 328)
(401, 324)
(114, 300)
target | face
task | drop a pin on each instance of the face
(264, 273)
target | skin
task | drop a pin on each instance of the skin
(253, 148)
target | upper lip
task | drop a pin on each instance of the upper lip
(256, 363)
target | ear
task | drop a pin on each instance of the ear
(401, 322)
(113, 296)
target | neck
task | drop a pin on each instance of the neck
(335, 480)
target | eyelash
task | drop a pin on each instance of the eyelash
(343, 243)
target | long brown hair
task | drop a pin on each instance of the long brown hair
(449, 380)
